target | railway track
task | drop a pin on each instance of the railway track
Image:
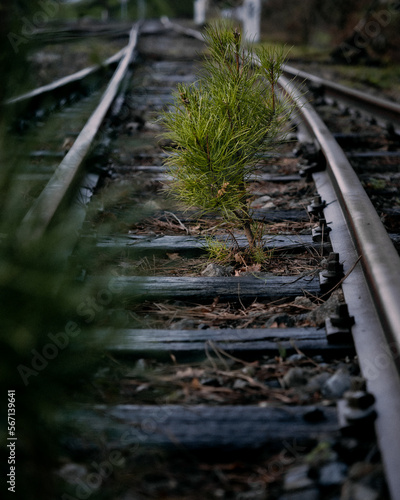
(231, 381)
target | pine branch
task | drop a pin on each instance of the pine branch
(219, 125)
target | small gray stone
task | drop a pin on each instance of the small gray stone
(327, 309)
(358, 491)
(183, 324)
(141, 365)
(240, 384)
(219, 493)
(214, 270)
(296, 357)
(303, 302)
(256, 494)
(332, 474)
(337, 384)
(260, 201)
(248, 370)
(317, 382)
(295, 377)
(151, 205)
(297, 478)
(324, 263)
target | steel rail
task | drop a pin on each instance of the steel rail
(377, 286)
(181, 29)
(67, 80)
(46, 205)
(379, 108)
(380, 259)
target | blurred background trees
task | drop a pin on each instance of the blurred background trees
(314, 23)
(323, 24)
(355, 30)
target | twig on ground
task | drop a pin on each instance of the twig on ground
(181, 225)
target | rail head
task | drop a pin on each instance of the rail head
(379, 258)
(379, 108)
(45, 207)
(374, 291)
(67, 80)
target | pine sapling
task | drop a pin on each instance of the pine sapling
(220, 124)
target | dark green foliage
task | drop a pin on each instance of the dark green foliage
(42, 355)
(153, 8)
(41, 360)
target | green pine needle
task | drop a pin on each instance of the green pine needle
(220, 124)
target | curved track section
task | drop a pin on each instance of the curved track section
(379, 258)
(377, 342)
